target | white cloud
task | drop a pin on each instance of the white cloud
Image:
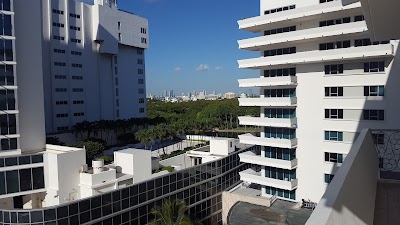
(202, 67)
(219, 68)
(178, 69)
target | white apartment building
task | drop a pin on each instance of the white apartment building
(33, 174)
(94, 63)
(322, 80)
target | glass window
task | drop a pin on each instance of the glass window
(12, 181)
(2, 183)
(37, 158)
(36, 216)
(5, 5)
(25, 177)
(62, 212)
(12, 161)
(49, 214)
(24, 160)
(333, 136)
(328, 178)
(38, 178)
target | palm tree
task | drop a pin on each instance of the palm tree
(172, 213)
(143, 137)
(161, 134)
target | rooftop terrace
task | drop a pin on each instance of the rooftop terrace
(280, 213)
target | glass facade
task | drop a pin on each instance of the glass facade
(6, 50)
(281, 193)
(8, 120)
(5, 5)
(20, 180)
(200, 187)
(281, 133)
(7, 75)
(280, 72)
(280, 174)
(279, 113)
(280, 153)
(279, 93)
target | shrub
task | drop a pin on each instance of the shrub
(107, 159)
(167, 168)
(93, 149)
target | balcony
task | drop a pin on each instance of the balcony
(268, 122)
(268, 102)
(310, 35)
(268, 81)
(252, 158)
(353, 53)
(259, 23)
(365, 188)
(273, 142)
(252, 176)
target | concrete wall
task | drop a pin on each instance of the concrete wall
(62, 174)
(222, 146)
(135, 162)
(30, 74)
(230, 199)
(182, 161)
(350, 197)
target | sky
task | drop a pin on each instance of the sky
(193, 44)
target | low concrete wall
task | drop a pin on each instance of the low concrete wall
(350, 197)
(199, 137)
(229, 199)
(183, 161)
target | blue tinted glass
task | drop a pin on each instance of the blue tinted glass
(340, 136)
(340, 158)
(381, 91)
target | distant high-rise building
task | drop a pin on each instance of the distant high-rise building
(229, 95)
(171, 93)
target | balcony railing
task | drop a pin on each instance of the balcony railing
(252, 176)
(258, 23)
(255, 44)
(387, 144)
(283, 101)
(272, 122)
(255, 159)
(263, 141)
(268, 81)
(365, 52)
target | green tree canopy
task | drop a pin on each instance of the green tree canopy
(93, 149)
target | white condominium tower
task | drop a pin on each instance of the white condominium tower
(94, 64)
(322, 80)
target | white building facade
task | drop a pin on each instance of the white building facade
(322, 81)
(96, 63)
(33, 174)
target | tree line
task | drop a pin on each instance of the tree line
(165, 121)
